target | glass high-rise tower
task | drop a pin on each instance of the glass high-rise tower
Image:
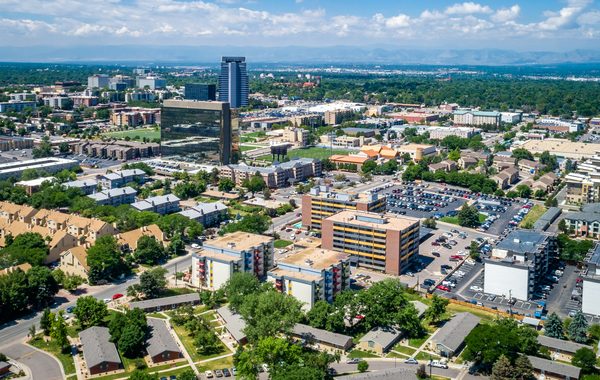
(202, 131)
(233, 82)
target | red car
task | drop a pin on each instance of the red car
(117, 296)
(444, 288)
(435, 243)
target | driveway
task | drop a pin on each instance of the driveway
(41, 365)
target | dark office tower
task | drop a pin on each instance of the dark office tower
(200, 91)
(201, 131)
(233, 82)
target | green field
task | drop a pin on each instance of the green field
(140, 133)
(532, 216)
(454, 219)
(312, 152)
(361, 354)
(281, 243)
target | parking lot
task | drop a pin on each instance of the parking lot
(427, 200)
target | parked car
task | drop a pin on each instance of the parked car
(218, 373)
(116, 296)
(208, 374)
(226, 372)
(411, 361)
(444, 288)
(353, 361)
(476, 288)
(438, 364)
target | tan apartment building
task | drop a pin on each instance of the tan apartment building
(381, 242)
(321, 203)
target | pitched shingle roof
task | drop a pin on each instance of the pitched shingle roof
(559, 344)
(323, 336)
(454, 332)
(160, 339)
(556, 368)
(384, 336)
(97, 348)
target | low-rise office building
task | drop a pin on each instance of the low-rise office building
(48, 164)
(162, 204)
(518, 263)
(381, 242)
(114, 197)
(321, 203)
(417, 151)
(463, 117)
(219, 258)
(311, 275)
(16, 106)
(439, 133)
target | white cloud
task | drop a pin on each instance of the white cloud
(400, 21)
(506, 14)
(467, 8)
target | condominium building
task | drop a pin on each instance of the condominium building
(114, 197)
(161, 204)
(387, 243)
(591, 283)
(120, 178)
(276, 175)
(585, 223)
(298, 136)
(439, 133)
(519, 263)
(118, 150)
(335, 117)
(312, 274)
(98, 81)
(464, 117)
(208, 214)
(57, 101)
(16, 106)
(321, 203)
(219, 258)
(583, 186)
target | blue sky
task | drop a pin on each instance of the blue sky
(552, 25)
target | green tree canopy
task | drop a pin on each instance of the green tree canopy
(90, 311)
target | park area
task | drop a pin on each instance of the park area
(312, 152)
(532, 216)
(135, 134)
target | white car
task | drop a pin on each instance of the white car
(476, 288)
(195, 246)
(107, 300)
(470, 261)
(208, 374)
(438, 364)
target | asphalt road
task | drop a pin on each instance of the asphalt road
(381, 364)
(41, 365)
(16, 331)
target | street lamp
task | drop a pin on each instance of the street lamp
(430, 366)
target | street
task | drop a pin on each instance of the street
(381, 364)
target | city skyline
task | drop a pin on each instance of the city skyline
(557, 25)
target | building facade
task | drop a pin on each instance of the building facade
(321, 203)
(233, 82)
(200, 91)
(236, 252)
(199, 130)
(462, 117)
(311, 275)
(386, 243)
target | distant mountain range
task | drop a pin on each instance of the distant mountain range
(293, 54)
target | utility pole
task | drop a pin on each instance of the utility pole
(510, 301)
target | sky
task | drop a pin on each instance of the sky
(523, 25)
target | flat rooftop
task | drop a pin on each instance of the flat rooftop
(373, 220)
(238, 241)
(561, 146)
(294, 274)
(315, 258)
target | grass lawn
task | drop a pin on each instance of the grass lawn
(417, 342)
(361, 354)
(281, 243)
(404, 349)
(176, 292)
(167, 374)
(395, 355)
(486, 316)
(149, 133)
(532, 216)
(188, 343)
(50, 347)
(426, 356)
(245, 148)
(312, 152)
(216, 364)
(454, 219)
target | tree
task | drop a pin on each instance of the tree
(149, 251)
(176, 246)
(59, 330)
(226, 184)
(437, 308)
(63, 147)
(474, 250)
(369, 166)
(239, 286)
(152, 283)
(585, 359)
(502, 369)
(188, 374)
(422, 372)
(132, 340)
(522, 154)
(268, 314)
(32, 332)
(46, 321)
(71, 282)
(524, 191)
(486, 343)
(523, 369)
(254, 184)
(362, 366)
(90, 311)
(139, 374)
(468, 216)
(578, 328)
(44, 149)
(104, 259)
(29, 247)
(429, 223)
(252, 223)
(129, 331)
(42, 286)
(454, 155)
(554, 327)
(562, 226)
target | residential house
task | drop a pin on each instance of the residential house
(380, 339)
(165, 303)
(25, 267)
(399, 373)
(129, 240)
(506, 177)
(528, 167)
(545, 369)
(465, 162)
(560, 349)
(161, 345)
(446, 165)
(322, 340)
(73, 262)
(207, 214)
(99, 353)
(503, 162)
(234, 324)
(449, 339)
